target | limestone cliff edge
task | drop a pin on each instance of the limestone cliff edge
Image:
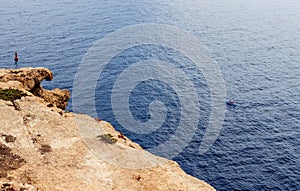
(42, 148)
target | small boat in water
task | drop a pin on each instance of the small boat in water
(231, 103)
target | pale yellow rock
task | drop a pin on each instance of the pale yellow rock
(29, 79)
(61, 151)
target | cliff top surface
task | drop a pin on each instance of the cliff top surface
(42, 148)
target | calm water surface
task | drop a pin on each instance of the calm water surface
(256, 45)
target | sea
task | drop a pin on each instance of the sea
(255, 44)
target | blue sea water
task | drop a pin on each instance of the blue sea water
(255, 43)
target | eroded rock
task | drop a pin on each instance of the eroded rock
(8, 160)
(29, 79)
(13, 186)
(45, 148)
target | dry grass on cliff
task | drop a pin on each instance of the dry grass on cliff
(8, 161)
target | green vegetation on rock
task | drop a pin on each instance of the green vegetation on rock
(15, 71)
(11, 95)
(107, 138)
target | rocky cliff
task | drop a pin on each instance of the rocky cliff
(29, 80)
(42, 148)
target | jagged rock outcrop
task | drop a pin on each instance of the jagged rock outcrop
(45, 148)
(29, 79)
(13, 186)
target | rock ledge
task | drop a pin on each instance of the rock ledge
(29, 79)
(42, 148)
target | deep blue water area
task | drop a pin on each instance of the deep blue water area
(255, 43)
